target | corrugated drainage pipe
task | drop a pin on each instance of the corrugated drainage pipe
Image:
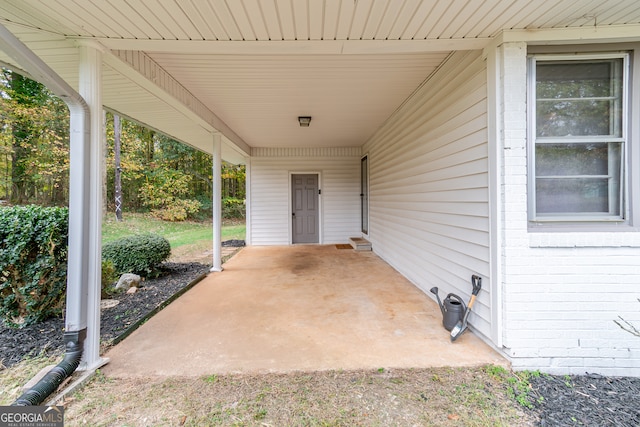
(52, 379)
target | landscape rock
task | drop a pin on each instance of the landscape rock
(132, 290)
(108, 303)
(128, 280)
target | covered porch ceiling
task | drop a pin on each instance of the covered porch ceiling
(248, 68)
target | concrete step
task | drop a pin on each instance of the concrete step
(360, 244)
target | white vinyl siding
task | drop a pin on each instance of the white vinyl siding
(339, 171)
(429, 197)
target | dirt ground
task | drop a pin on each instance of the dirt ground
(201, 252)
(407, 397)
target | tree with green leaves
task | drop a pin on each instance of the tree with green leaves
(35, 142)
(158, 174)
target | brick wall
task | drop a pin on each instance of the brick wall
(561, 291)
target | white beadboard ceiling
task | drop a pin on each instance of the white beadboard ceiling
(256, 65)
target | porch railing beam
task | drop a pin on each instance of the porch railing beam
(297, 47)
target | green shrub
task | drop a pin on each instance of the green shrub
(233, 208)
(206, 207)
(108, 277)
(139, 254)
(165, 192)
(178, 210)
(33, 262)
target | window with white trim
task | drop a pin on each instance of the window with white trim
(577, 126)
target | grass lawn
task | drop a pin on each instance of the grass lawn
(177, 233)
(481, 396)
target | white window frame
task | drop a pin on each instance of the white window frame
(577, 218)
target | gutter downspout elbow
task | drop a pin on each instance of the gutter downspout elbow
(52, 379)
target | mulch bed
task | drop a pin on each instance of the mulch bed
(233, 244)
(115, 323)
(586, 400)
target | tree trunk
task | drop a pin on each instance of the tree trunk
(20, 133)
(118, 170)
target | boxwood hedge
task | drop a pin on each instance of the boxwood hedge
(139, 254)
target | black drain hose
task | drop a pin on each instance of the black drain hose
(52, 379)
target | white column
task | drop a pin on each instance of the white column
(90, 87)
(247, 200)
(217, 203)
(494, 130)
(512, 150)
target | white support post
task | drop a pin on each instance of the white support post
(217, 202)
(90, 87)
(494, 128)
(511, 150)
(247, 200)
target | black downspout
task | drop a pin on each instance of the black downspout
(52, 379)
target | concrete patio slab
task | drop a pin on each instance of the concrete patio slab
(278, 309)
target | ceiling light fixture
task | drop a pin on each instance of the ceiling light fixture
(304, 121)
